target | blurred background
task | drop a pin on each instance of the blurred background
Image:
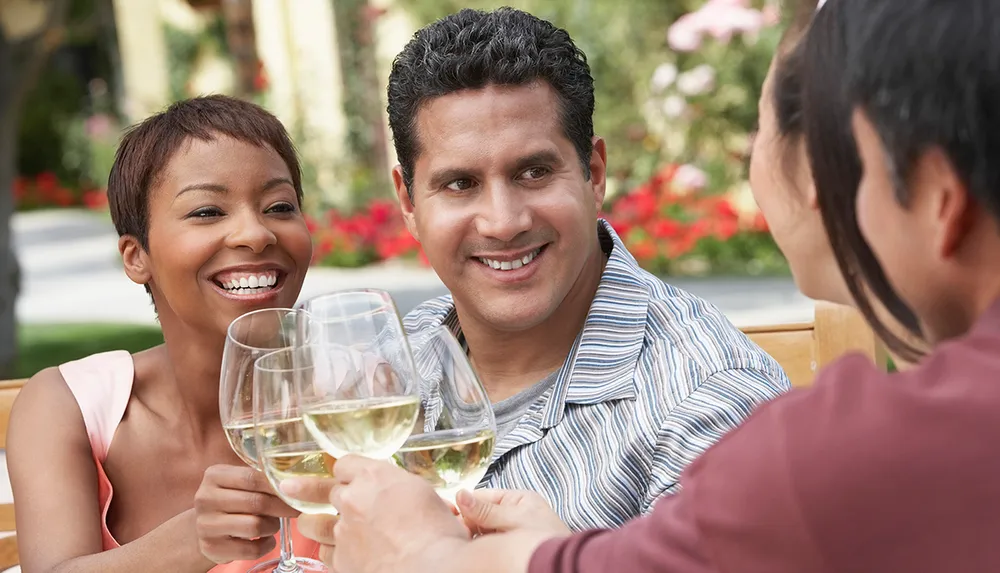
(677, 87)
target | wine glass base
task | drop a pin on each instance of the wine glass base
(305, 565)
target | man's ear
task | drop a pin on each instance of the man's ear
(135, 259)
(599, 170)
(405, 201)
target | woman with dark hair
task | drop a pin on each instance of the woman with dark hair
(800, 189)
(118, 461)
(865, 471)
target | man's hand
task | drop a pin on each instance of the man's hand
(390, 520)
(498, 511)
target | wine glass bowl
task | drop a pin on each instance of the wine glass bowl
(249, 337)
(364, 398)
(452, 446)
(286, 447)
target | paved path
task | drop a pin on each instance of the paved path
(72, 273)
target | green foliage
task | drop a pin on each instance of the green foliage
(45, 345)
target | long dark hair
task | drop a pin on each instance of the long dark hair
(811, 103)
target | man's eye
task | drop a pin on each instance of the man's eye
(461, 185)
(535, 173)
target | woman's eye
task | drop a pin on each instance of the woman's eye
(282, 207)
(205, 212)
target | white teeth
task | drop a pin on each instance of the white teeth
(251, 284)
(510, 265)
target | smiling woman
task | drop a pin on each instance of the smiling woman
(206, 198)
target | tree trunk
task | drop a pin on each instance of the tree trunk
(21, 62)
(9, 269)
(242, 43)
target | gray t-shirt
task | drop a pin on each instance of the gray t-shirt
(508, 412)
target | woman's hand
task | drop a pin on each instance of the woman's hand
(237, 514)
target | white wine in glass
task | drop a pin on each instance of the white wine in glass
(364, 398)
(452, 446)
(250, 337)
(286, 448)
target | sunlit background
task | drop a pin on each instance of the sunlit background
(677, 87)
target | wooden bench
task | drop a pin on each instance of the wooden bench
(805, 348)
(8, 544)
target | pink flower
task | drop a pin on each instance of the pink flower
(723, 18)
(690, 178)
(98, 126)
(717, 18)
(771, 14)
(684, 35)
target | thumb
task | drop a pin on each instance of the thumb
(310, 489)
(485, 513)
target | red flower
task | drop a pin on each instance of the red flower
(96, 198)
(760, 223)
(311, 224)
(643, 249)
(47, 181)
(260, 80)
(666, 229)
(63, 197)
(726, 228)
(724, 209)
(381, 211)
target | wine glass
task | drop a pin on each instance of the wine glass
(249, 337)
(364, 398)
(286, 448)
(452, 446)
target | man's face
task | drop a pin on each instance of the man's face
(501, 204)
(915, 243)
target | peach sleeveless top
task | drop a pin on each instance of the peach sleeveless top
(102, 385)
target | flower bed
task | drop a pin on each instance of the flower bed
(45, 191)
(674, 227)
(670, 224)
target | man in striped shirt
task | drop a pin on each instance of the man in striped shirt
(606, 381)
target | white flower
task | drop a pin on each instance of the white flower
(697, 81)
(663, 76)
(674, 106)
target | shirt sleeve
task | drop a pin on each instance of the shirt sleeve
(720, 403)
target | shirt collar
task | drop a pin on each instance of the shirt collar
(601, 364)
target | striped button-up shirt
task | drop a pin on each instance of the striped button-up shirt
(655, 377)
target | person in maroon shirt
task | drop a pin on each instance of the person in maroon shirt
(865, 471)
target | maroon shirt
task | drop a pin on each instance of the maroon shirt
(864, 472)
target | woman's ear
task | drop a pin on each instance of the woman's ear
(135, 259)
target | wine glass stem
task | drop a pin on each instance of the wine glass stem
(287, 561)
